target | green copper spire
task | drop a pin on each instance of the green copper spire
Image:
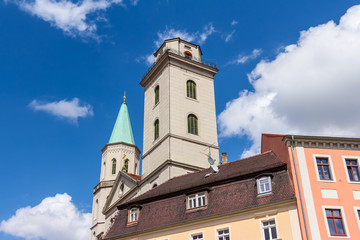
(122, 131)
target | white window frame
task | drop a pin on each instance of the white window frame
(268, 178)
(195, 234)
(262, 228)
(196, 196)
(343, 218)
(221, 229)
(356, 209)
(133, 214)
(331, 168)
(345, 167)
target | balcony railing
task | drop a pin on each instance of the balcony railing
(213, 65)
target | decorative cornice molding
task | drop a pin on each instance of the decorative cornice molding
(323, 142)
(111, 145)
(103, 184)
(170, 135)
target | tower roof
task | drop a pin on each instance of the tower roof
(122, 131)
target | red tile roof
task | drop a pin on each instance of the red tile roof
(233, 188)
(134, 176)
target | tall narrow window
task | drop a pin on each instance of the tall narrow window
(156, 129)
(353, 169)
(323, 168)
(157, 94)
(335, 222)
(269, 228)
(191, 89)
(135, 170)
(126, 166)
(192, 124)
(113, 169)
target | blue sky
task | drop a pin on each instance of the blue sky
(285, 67)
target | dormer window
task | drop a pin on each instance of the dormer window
(264, 185)
(197, 200)
(133, 215)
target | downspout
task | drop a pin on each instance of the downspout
(298, 185)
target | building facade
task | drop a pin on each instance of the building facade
(325, 176)
(246, 199)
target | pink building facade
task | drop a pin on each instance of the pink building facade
(326, 178)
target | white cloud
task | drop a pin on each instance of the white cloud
(55, 218)
(70, 110)
(196, 37)
(207, 31)
(229, 36)
(311, 87)
(199, 36)
(241, 59)
(71, 17)
(234, 22)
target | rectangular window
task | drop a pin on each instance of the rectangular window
(323, 168)
(269, 228)
(198, 236)
(196, 200)
(264, 185)
(223, 234)
(335, 222)
(133, 215)
(352, 169)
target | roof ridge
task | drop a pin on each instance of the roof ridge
(256, 155)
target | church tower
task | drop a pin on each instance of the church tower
(179, 110)
(119, 154)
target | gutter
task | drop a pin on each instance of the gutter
(298, 185)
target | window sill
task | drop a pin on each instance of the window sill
(264, 194)
(326, 181)
(130, 224)
(190, 210)
(354, 182)
(156, 105)
(192, 99)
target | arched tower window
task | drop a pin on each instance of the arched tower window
(135, 168)
(191, 89)
(192, 124)
(113, 168)
(157, 94)
(156, 129)
(126, 166)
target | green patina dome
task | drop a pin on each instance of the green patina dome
(122, 131)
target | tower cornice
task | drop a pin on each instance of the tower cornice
(117, 143)
(172, 56)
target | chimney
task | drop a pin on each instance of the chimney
(223, 158)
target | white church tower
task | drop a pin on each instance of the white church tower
(180, 131)
(119, 155)
(179, 114)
